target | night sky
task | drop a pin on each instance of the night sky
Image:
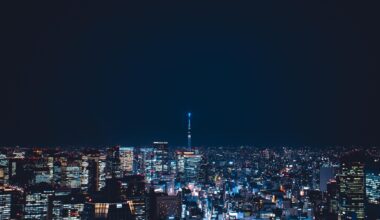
(269, 73)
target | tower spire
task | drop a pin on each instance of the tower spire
(189, 129)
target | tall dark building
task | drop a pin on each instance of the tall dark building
(351, 183)
(113, 166)
(332, 200)
(107, 211)
(135, 195)
(163, 206)
(119, 212)
(93, 175)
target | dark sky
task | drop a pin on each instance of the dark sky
(269, 73)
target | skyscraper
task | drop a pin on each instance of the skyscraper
(38, 203)
(163, 206)
(126, 160)
(332, 201)
(146, 163)
(113, 168)
(135, 195)
(326, 173)
(4, 169)
(92, 171)
(373, 187)
(188, 164)
(5, 205)
(93, 175)
(351, 182)
(161, 153)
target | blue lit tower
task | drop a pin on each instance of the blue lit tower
(189, 129)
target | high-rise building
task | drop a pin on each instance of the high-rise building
(119, 211)
(134, 189)
(50, 167)
(5, 205)
(66, 205)
(4, 170)
(93, 171)
(72, 173)
(163, 206)
(126, 160)
(161, 153)
(113, 168)
(58, 170)
(188, 165)
(84, 173)
(11, 202)
(332, 198)
(326, 173)
(105, 210)
(146, 157)
(351, 183)
(373, 187)
(38, 205)
(93, 175)
(102, 174)
(42, 174)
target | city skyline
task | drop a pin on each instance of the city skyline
(186, 142)
(158, 182)
(184, 110)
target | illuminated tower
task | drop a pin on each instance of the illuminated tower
(189, 129)
(351, 182)
(126, 160)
